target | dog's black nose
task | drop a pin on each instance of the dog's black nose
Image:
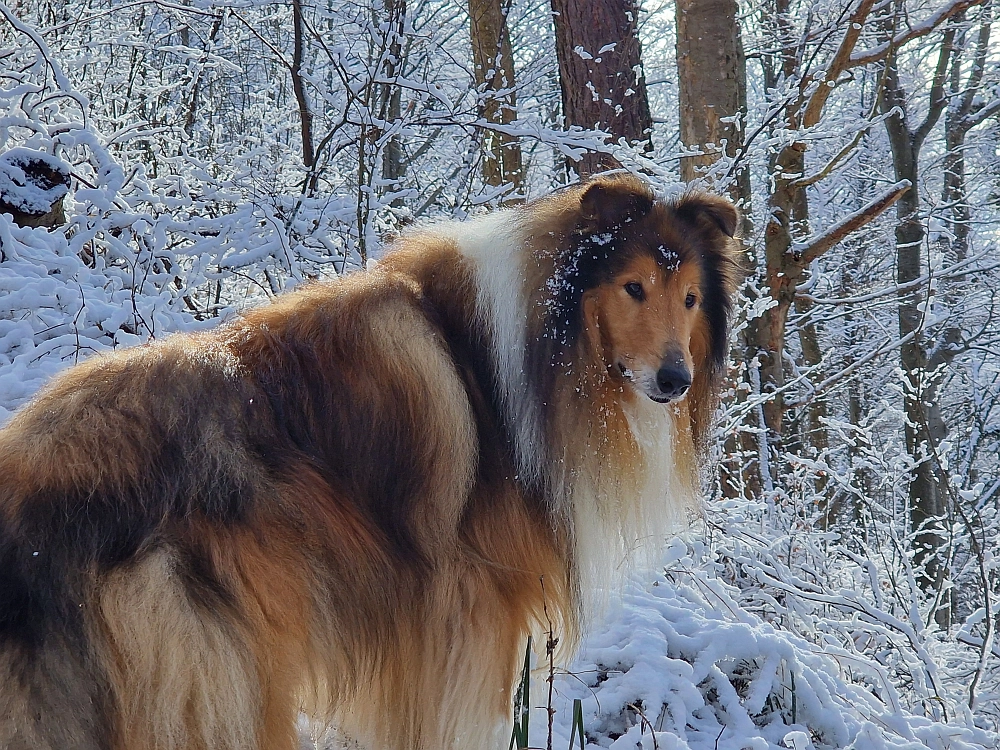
(673, 380)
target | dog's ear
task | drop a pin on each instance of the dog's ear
(696, 208)
(611, 202)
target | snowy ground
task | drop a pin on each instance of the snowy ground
(679, 665)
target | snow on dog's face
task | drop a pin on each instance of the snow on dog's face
(655, 283)
(629, 296)
(646, 322)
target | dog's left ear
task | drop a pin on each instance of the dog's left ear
(611, 202)
(696, 208)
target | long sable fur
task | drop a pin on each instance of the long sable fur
(353, 502)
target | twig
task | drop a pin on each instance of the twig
(920, 29)
(550, 650)
(643, 723)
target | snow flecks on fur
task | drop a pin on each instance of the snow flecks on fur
(672, 261)
(556, 287)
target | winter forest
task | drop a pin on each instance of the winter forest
(166, 163)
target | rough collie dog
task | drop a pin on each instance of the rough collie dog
(358, 501)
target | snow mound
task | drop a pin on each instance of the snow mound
(32, 181)
(679, 666)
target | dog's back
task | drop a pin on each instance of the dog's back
(199, 536)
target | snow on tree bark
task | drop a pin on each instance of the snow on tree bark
(493, 63)
(600, 74)
(32, 187)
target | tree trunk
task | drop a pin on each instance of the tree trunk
(43, 177)
(766, 334)
(783, 272)
(814, 432)
(847, 511)
(953, 191)
(711, 83)
(493, 62)
(390, 105)
(924, 428)
(600, 73)
(298, 86)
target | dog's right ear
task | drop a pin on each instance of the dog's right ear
(612, 202)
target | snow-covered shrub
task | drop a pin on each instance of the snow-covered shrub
(32, 187)
(101, 280)
(681, 664)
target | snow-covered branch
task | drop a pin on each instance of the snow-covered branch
(915, 31)
(815, 246)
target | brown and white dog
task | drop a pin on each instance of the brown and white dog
(355, 502)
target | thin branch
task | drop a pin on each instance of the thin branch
(960, 269)
(971, 114)
(840, 62)
(804, 182)
(195, 85)
(117, 9)
(277, 52)
(938, 100)
(979, 59)
(984, 114)
(824, 385)
(64, 87)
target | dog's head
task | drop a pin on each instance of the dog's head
(656, 281)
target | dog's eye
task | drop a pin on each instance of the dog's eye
(690, 301)
(634, 289)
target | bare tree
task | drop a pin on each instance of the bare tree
(803, 87)
(922, 361)
(927, 497)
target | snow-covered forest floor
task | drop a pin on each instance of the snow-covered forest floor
(803, 610)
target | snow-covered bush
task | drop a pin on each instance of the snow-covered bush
(683, 664)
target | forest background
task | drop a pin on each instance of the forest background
(167, 162)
